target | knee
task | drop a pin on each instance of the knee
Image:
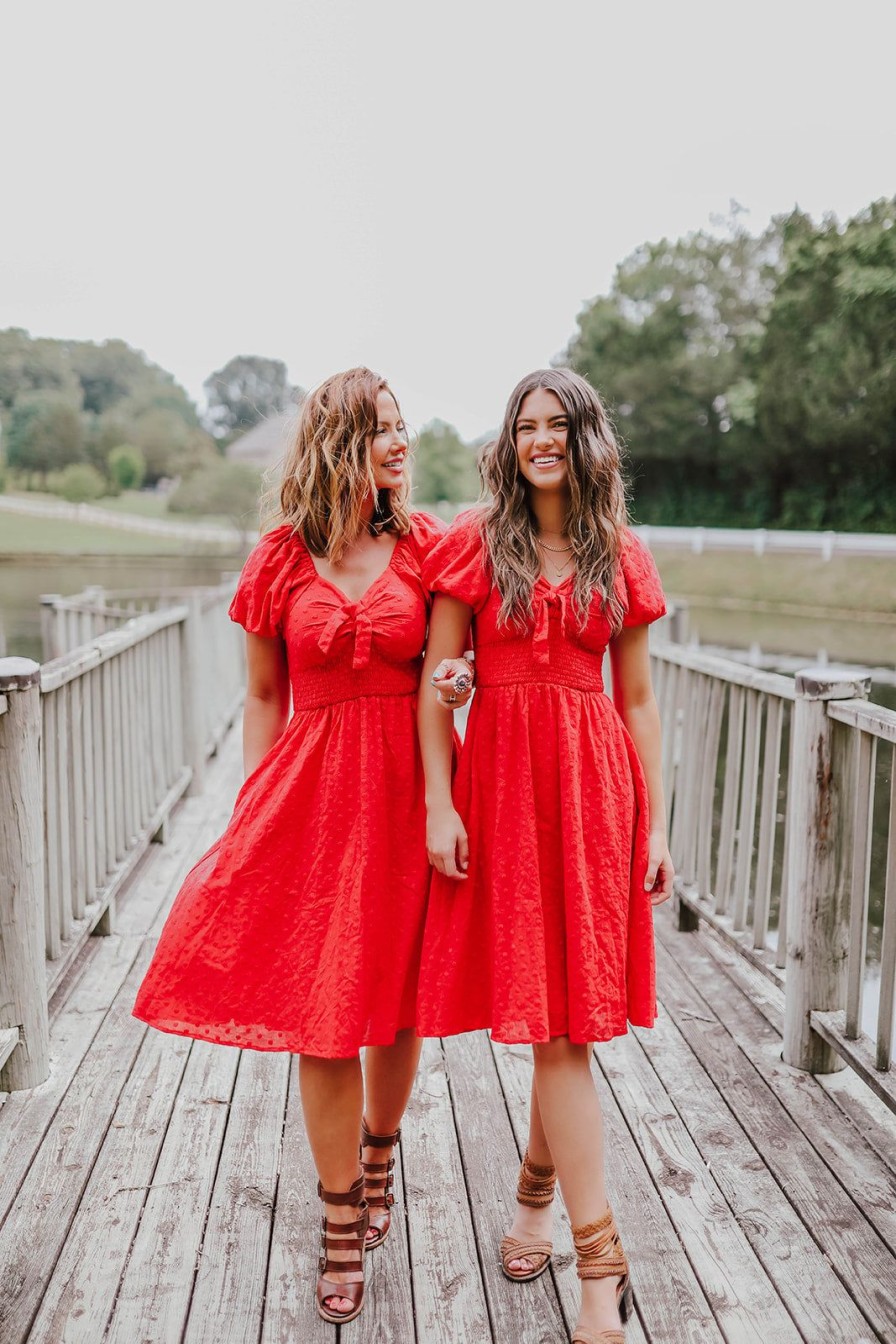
(560, 1052)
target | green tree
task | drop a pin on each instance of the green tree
(247, 390)
(230, 489)
(28, 365)
(672, 348)
(45, 433)
(127, 467)
(826, 380)
(444, 467)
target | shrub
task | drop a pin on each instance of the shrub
(78, 483)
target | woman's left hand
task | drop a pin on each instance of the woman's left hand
(660, 872)
(451, 692)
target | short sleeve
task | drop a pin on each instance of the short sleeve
(643, 590)
(269, 575)
(457, 565)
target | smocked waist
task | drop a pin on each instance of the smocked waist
(514, 665)
(313, 688)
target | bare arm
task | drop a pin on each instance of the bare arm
(266, 711)
(633, 693)
(446, 838)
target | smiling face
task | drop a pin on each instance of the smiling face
(388, 443)
(542, 426)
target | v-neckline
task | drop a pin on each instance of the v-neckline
(349, 601)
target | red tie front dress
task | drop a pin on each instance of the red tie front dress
(301, 928)
(551, 933)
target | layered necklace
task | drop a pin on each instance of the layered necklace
(557, 568)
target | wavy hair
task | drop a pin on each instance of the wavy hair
(327, 475)
(597, 506)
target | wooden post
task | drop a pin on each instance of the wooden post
(49, 626)
(194, 708)
(819, 863)
(679, 622)
(23, 985)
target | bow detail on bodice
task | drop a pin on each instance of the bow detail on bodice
(349, 620)
(545, 600)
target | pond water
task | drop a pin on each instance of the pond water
(23, 581)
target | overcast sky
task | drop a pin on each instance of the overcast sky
(433, 190)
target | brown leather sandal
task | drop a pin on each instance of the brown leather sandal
(342, 1237)
(599, 1255)
(379, 1176)
(535, 1189)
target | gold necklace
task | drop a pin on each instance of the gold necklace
(558, 550)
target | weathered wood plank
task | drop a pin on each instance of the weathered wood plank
(35, 1230)
(77, 1301)
(849, 1157)
(819, 1303)
(448, 1288)
(491, 1160)
(229, 1291)
(155, 1291)
(744, 1302)
(25, 1116)
(857, 1252)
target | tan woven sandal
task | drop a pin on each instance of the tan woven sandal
(599, 1255)
(535, 1189)
(378, 1179)
(341, 1237)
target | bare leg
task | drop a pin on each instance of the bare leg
(389, 1072)
(573, 1125)
(332, 1099)
(533, 1224)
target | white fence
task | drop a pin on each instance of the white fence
(96, 747)
(770, 784)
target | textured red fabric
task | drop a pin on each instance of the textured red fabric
(551, 934)
(300, 929)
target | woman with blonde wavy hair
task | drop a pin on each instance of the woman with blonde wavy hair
(550, 848)
(301, 928)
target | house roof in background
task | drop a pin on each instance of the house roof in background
(266, 442)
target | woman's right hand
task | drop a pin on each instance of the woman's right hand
(446, 842)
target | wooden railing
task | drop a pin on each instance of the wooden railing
(96, 747)
(770, 785)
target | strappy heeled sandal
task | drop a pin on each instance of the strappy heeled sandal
(599, 1255)
(342, 1237)
(380, 1176)
(535, 1189)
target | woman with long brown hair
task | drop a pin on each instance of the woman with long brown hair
(301, 928)
(550, 847)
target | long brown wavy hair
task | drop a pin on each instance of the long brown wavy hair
(597, 507)
(327, 475)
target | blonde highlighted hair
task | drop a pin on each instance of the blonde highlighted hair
(327, 474)
(597, 509)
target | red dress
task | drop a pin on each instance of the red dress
(551, 934)
(301, 928)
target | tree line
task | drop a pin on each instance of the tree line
(751, 380)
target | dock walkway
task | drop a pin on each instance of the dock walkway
(159, 1190)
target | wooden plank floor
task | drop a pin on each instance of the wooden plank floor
(156, 1190)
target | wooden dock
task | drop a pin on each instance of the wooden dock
(158, 1190)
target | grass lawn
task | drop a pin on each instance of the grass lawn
(24, 535)
(844, 583)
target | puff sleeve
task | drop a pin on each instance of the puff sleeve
(426, 533)
(269, 575)
(458, 565)
(643, 591)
